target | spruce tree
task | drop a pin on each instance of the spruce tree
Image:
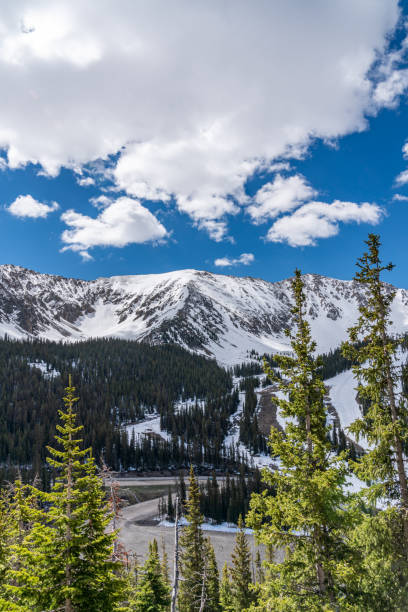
(165, 564)
(152, 592)
(308, 515)
(80, 558)
(242, 594)
(26, 579)
(63, 548)
(260, 575)
(212, 586)
(384, 423)
(226, 600)
(192, 555)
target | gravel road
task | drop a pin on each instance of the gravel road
(137, 529)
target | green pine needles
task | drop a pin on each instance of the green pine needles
(384, 423)
(62, 547)
(308, 515)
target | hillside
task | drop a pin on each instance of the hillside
(214, 315)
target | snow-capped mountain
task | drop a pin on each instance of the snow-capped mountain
(212, 314)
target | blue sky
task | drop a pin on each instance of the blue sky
(241, 138)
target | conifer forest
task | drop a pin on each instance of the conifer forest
(323, 527)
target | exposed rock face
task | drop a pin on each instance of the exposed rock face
(216, 315)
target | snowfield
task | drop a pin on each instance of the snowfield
(219, 316)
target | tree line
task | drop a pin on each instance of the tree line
(119, 382)
(342, 550)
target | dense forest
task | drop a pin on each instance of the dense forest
(119, 382)
(325, 547)
(220, 500)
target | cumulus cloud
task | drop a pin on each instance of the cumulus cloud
(392, 79)
(190, 97)
(123, 222)
(86, 181)
(280, 196)
(320, 220)
(27, 206)
(245, 259)
(402, 178)
(398, 197)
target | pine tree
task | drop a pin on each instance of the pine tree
(80, 558)
(260, 574)
(212, 586)
(308, 516)
(165, 564)
(26, 578)
(62, 549)
(152, 592)
(192, 556)
(226, 600)
(242, 595)
(384, 574)
(385, 420)
(7, 533)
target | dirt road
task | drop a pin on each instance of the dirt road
(137, 529)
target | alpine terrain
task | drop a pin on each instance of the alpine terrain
(214, 315)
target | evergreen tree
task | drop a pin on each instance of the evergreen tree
(62, 550)
(384, 574)
(80, 556)
(27, 579)
(226, 600)
(152, 591)
(170, 508)
(7, 533)
(212, 586)
(242, 595)
(385, 420)
(192, 555)
(165, 564)
(308, 515)
(260, 574)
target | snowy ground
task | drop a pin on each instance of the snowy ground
(342, 394)
(47, 370)
(151, 424)
(222, 527)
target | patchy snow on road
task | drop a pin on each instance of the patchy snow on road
(223, 527)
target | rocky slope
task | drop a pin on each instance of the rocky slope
(216, 315)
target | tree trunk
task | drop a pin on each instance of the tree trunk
(203, 598)
(68, 603)
(176, 559)
(399, 455)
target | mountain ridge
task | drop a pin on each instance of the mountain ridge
(217, 315)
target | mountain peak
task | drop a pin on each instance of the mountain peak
(221, 316)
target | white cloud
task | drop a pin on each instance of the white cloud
(86, 181)
(393, 80)
(27, 206)
(398, 197)
(387, 92)
(402, 178)
(245, 259)
(192, 96)
(320, 220)
(123, 222)
(405, 150)
(283, 195)
(101, 201)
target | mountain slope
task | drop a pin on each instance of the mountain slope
(216, 315)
